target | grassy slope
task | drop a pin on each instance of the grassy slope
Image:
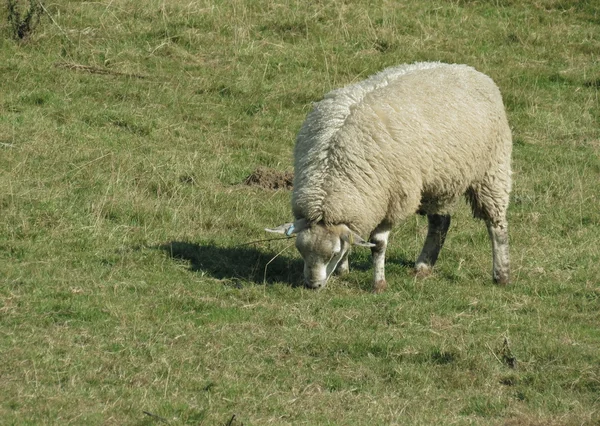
(124, 285)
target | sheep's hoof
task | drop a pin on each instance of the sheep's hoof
(501, 280)
(423, 270)
(379, 286)
(342, 271)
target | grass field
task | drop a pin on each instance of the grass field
(127, 295)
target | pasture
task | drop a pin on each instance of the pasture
(129, 294)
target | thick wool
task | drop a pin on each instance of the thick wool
(410, 138)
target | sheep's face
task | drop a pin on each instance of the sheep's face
(323, 248)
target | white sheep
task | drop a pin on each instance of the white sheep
(411, 138)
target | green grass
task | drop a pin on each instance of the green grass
(126, 128)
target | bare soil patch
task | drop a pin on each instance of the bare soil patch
(266, 178)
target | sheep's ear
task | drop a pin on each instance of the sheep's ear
(356, 240)
(285, 229)
(288, 229)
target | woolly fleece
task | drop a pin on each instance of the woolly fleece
(410, 138)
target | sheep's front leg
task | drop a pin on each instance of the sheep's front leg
(499, 236)
(379, 237)
(343, 268)
(436, 235)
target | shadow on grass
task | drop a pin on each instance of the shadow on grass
(236, 265)
(364, 263)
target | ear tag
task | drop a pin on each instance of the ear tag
(351, 239)
(289, 231)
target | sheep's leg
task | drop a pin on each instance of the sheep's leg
(499, 235)
(379, 237)
(489, 201)
(342, 267)
(436, 235)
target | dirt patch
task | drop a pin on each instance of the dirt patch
(270, 179)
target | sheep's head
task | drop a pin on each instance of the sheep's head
(322, 247)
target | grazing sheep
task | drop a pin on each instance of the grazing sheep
(411, 138)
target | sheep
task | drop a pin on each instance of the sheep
(410, 139)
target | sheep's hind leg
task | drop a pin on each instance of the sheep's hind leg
(501, 265)
(436, 235)
(489, 202)
(379, 237)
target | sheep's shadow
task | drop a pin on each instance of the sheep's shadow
(365, 263)
(238, 265)
(235, 265)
